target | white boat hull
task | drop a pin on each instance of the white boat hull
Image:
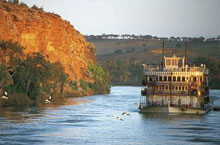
(170, 109)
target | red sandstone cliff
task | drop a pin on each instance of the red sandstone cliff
(38, 31)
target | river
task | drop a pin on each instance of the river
(88, 120)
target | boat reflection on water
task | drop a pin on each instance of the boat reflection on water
(171, 117)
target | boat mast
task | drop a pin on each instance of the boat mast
(162, 63)
(186, 45)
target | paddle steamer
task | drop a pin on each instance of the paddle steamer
(175, 87)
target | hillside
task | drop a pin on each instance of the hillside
(44, 55)
(39, 31)
(146, 50)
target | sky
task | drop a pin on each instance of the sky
(164, 18)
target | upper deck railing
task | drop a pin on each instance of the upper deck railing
(158, 68)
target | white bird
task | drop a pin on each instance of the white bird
(4, 97)
(124, 113)
(6, 94)
(50, 98)
(48, 101)
(116, 117)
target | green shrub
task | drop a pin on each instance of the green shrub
(3, 75)
(101, 82)
(15, 100)
(84, 85)
(23, 5)
(73, 85)
(31, 75)
(35, 7)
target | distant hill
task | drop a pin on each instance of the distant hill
(118, 52)
(149, 50)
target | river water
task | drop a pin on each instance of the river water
(88, 120)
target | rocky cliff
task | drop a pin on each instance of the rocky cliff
(39, 31)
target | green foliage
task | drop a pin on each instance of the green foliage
(178, 45)
(12, 51)
(15, 2)
(35, 7)
(73, 85)
(23, 5)
(124, 72)
(84, 85)
(119, 51)
(34, 78)
(32, 75)
(16, 100)
(101, 82)
(3, 75)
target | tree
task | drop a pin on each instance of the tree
(101, 79)
(119, 51)
(201, 38)
(178, 45)
(3, 75)
(11, 53)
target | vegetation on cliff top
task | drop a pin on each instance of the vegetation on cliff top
(31, 78)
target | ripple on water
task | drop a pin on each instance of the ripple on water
(89, 120)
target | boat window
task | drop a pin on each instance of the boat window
(151, 79)
(186, 88)
(178, 79)
(176, 88)
(165, 78)
(200, 79)
(179, 88)
(160, 78)
(174, 78)
(156, 78)
(166, 87)
(169, 78)
(169, 87)
(182, 88)
(194, 79)
(183, 79)
(173, 87)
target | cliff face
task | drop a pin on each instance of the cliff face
(38, 31)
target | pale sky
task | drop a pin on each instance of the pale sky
(166, 18)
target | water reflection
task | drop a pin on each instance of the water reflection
(29, 114)
(171, 117)
(20, 114)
